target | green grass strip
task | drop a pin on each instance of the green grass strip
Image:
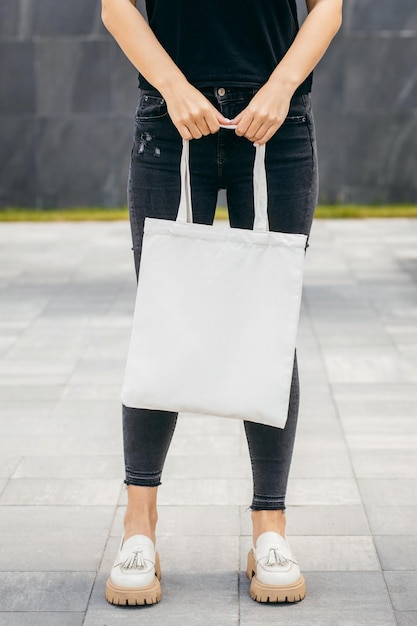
(335, 211)
(343, 211)
(78, 214)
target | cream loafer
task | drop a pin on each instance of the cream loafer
(273, 571)
(135, 575)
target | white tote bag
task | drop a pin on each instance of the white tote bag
(216, 314)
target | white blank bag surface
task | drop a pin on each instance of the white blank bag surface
(216, 314)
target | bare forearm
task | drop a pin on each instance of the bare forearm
(136, 39)
(190, 111)
(310, 44)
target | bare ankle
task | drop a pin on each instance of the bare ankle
(266, 521)
(141, 513)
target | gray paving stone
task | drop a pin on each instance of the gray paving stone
(318, 520)
(328, 465)
(182, 554)
(328, 602)
(32, 539)
(41, 619)
(381, 432)
(398, 462)
(216, 491)
(379, 491)
(338, 554)
(319, 491)
(397, 553)
(374, 391)
(92, 392)
(61, 492)
(41, 547)
(406, 618)
(360, 297)
(44, 444)
(371, 407)
(210, 443)
(210, 598)
(355, 365)
(190, 521)
(392, 520)
(192, 424)
(45, 590)
(207, 466)
(80, 518)
(402, 587)
(64, 466)
(30, 392)
(8, 465)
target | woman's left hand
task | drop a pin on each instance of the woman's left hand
(265, 113)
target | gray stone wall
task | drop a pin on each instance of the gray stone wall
(68, 97)
(365, 95)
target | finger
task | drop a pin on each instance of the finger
(219, 120)
(236, 120)
(268, 135)
(213, 120)
(268, 131)
(265, 135)
(261, 132)
(204, 127)
(244, 124)
(256, 128)
(184, 132)
(194, 130)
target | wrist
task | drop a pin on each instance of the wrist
(170, 84)
(284, 80)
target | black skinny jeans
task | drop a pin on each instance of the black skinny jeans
(219, 161)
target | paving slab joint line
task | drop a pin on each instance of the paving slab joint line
(12, 473)
(388, 591)
(239, 586)
(102, 556)
(331, 393)
(9, 478)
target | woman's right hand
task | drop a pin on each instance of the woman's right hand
(191, 113)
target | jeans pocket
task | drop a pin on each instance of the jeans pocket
(295, 119)
(150, 107)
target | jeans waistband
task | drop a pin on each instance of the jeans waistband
(222, 94)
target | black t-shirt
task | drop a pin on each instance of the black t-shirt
(225, 42)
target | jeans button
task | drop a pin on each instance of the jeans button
(221, 91)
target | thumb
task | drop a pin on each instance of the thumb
(221, 119)
(237, 119)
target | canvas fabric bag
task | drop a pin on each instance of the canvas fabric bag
(216, 314)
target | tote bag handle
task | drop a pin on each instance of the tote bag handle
(185, 210)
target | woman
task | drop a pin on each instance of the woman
(206, 64)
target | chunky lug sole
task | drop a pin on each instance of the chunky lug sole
(134, 596)
(260, 592)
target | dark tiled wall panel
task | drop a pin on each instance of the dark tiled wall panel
(68, 97)
(52, 18)
(17, 78)
(9, 18)
(381, 15)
